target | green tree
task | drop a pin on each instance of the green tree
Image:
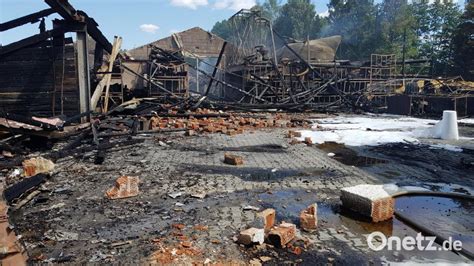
(355, 21)
(463, 45)
(396, 29)
(222, 29)
(298, 19)
(436, 25)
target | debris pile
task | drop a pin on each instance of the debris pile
(206, 121)
(283, 235)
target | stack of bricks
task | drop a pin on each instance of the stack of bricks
(125, 187)
(371, 201)
(227, 124)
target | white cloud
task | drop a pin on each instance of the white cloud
(149, 28)
(234, 4)
(193, 4)
(324, 14)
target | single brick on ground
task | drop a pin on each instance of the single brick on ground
(309, 218)
(233, 159)
(282, 234)
(266, 219)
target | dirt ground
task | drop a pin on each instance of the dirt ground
(71, 220)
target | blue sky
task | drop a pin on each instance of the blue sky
(137, 21)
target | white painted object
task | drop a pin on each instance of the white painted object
(371, 192)
(447, 128)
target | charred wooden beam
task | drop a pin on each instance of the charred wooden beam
(29, 41)
(103, 146)
(21, 187)
(214, 72)
(31, 18)
(68, 12)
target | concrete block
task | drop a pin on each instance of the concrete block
(369, 200)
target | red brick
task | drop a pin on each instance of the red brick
(267, 217)
(37, 165)
(309, 218)
(233, 159)
(282, 234)
(382, 209)
(125, 187)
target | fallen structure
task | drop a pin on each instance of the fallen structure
(136, 150)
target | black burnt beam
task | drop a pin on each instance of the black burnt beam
(68, 12)
(31, 18)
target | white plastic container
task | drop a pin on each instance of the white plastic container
(447, 128)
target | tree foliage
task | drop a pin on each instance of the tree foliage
(298, 20)
(414, 29)
(355, 21)
(463, 45)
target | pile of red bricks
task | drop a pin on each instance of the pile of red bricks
(281, 235)
(125, 187)
(235, 123)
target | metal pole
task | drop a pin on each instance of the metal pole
(214, 72)
(403, 56)
(197, 75)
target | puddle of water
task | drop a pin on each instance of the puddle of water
(289, 203)
(442, 187)
(449, 217)
(348, 156)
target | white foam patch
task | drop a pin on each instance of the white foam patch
(466, 120)
(371, 130)
(448, 147)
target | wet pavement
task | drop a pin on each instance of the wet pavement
(72, 220)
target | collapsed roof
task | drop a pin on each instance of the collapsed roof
(318, 50)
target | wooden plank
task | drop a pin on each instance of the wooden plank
(106, 78)
(115, 51)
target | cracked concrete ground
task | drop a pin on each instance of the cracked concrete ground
(72, 221)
